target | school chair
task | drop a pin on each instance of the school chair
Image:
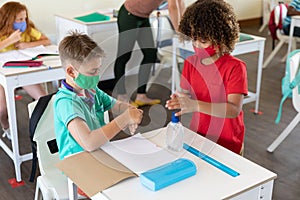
(180, 51)
(163, 32)
(294, 65)
(283, 39)
(268, 5)
(52, 183)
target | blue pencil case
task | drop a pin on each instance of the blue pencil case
(168, 174)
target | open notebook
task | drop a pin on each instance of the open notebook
(28, 54)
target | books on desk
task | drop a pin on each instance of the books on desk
(33, 57)
(245, 37)
(93, 17)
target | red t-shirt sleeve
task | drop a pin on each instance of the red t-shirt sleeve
(238, 83)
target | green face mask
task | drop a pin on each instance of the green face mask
(87, 82)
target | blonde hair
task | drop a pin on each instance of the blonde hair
(77, 48)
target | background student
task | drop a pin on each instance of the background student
(134, 26)
(293, 9)
(79, 105)
(214, 83)
(17, 32)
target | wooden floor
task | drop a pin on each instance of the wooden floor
(261, 130)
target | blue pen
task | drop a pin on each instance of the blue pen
(210, 160)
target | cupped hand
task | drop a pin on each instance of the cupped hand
(21, 45)
(181, 101)
(135, 115)
(15, 36)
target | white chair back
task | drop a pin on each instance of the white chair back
(294, 68)
(52, 184)
(43, 135)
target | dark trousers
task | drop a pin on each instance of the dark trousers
(133, 29)
(286, 30)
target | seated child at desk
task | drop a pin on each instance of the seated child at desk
(79, 104)
(16, 29)
(17, 32)
(214, 83)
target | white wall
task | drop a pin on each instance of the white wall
(246, 9)
(42, 11)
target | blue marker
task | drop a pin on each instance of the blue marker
(210, 160)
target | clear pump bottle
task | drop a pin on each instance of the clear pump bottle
(174, 135)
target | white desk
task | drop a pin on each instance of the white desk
(10, 79)
(248, 46)
(106, 34)
(295, 22)
(254, 181)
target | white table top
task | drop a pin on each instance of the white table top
(208, 183)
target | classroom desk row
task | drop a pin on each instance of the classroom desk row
(11, 79)
(253, 182)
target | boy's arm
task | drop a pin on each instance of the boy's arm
(90, 140)
(120, 107)
(292, 11)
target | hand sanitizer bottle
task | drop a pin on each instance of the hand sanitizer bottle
(174, 134)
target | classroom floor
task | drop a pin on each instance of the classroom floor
(261, 130)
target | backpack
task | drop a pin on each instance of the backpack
(274, 24)
(36, 115)
(288, 85)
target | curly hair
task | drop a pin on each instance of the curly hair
(210, 20)
(8, 13)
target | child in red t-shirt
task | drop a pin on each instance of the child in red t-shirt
(214, 83)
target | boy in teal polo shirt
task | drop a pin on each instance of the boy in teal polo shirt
(79, 105)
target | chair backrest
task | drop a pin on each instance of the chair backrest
(163, 32)
(294, 68)
(290, 83)
(277, 16)
(277, 13)
(44, 137)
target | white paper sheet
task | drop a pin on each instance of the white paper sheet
(26, 54)
(138, 153)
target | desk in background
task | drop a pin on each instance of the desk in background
(254, 181)
(10, 79)
(106, 34)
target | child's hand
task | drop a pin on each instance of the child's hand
(15, 36)
(132, 128)
(134, 115)
(173, 103)
(135, 118)
(21, 45)
(183, 102)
